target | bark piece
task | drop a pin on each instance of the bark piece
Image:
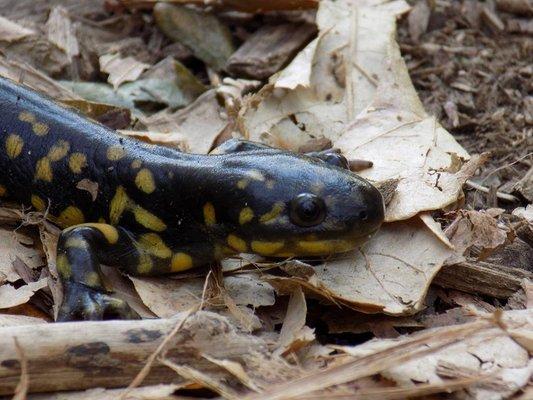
(269, 49)
(519, 7)
(482, 278)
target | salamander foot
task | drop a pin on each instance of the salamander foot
(81, 302)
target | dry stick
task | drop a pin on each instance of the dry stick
(21, 391)
(143, 373)
(484, 189)
(404, 392)
(373, 363)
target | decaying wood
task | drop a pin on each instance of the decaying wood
(269, 49)
(520, 7)
(482, 278)
(82, 355)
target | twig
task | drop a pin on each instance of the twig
(21, 390)
(484, 189)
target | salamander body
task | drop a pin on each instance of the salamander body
(152, 210)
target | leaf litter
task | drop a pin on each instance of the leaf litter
(349, 88)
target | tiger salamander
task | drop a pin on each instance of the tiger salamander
(155, 210)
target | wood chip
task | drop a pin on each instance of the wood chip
(269, 49)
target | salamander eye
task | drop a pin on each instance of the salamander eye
(307, 210)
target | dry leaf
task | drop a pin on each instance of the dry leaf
(61, 32)
(11, 297)
(294, 334)
(11, 31)
(193, 129)
(390, 274)
(11, 248)
(166, 297)
(121, 70)
(479, 230)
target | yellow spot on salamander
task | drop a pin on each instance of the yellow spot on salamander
(209, 214)
(70, 216)
(63, 266)
(110, 232)
(59, 150)
(266, 248)
(118, 204)
(115, 153)
(324, 247)
(277, 209)
(76, 242)
(180, 262)
(136, 164)
(243, 183)
(3, 190)
(76, 162)
(43, 170)
(14, 144)
(145, 181)
(237, 243)
(246, 215)
(40, 129)
(145, 264)
(153, 244)
(26, 116)
(92, 279)
(148, 220)
(38, 203)
(256, 175)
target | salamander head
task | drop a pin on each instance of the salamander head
(275, 203)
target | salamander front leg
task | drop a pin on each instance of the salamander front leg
(80, 251)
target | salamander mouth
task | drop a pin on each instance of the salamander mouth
(318, 247)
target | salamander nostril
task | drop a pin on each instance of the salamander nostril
(363, 215)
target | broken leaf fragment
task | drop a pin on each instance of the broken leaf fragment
(201, 32)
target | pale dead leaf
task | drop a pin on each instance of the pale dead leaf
(435, 227)
(11, 31)
(368, 279)
(298, 72)
(25, 74)
(294, 334)
(11, 297)
(166, 297)
(11, 248)
(193, 129)
(350, 52)
(121, 70)
(60, 31)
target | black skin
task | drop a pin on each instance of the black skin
(190, 211)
